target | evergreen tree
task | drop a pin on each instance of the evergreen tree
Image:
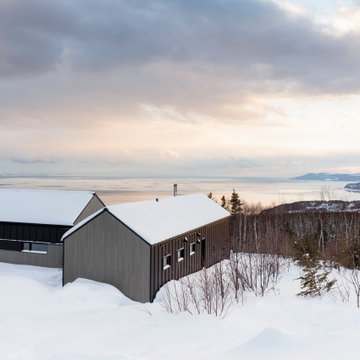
(235, 203)
(223, 201)
(315, 279)
(210, 196)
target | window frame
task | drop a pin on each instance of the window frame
(27, 247)
(166, 262)
(180, 252)
(193, 244)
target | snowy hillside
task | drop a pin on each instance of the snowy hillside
(86, 320)
(315, 206)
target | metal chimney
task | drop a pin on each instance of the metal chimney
(175, 189)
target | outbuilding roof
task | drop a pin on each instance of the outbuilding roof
(161, 219)
(51, 207)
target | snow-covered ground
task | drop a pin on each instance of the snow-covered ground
(86, 320)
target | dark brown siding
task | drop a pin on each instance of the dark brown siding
(54, 257)
(217, 248)
(105, 250)
(93, 206)
(32, 232)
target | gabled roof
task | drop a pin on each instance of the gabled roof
(162, 219)
(51, 207)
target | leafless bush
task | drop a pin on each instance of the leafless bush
(167, 302)
(234, 276)
(354, 280)
(204, 292)
(222, 289)
(212, 291)
(257, 273)
(342, 288)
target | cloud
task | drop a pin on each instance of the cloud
(123, 79)
(21, 160)
(151, 164)
(237, 37)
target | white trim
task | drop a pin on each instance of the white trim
(167, 266)
(179, 257)
(34, 251)
(192, 252)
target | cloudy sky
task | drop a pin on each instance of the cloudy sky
(179, 87)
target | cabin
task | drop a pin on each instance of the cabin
(139, 246)
(32, 223)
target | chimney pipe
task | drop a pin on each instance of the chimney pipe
(175, 189)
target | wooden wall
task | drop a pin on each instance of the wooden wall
(32, 232)
(217, 248)
(105, 250)
(53, 258)
(92, 207)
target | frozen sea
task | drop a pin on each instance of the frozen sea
(268, 191)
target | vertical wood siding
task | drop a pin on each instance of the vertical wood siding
(105, 250)
(32, 232)
(54, 257)
(93, 206)
(217, 242)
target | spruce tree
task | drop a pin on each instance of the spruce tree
(235, 203)
(223, 201)
(315, 279)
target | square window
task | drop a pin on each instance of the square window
(39, 248)
(166, 262)
(180, 254)
(192, 248)
(26, 247)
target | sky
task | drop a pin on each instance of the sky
(179, 87)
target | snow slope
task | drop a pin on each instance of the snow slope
(86, 320)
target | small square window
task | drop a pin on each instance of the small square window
(26, 247)
(180, 254)
(166, 262)
(39, 248)
(192, 248)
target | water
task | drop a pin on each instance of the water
(252, 190)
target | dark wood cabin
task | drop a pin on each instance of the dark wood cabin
(139, 246)
(32, 223)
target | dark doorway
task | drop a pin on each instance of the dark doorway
(203, 252)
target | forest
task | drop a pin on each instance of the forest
(332, 236)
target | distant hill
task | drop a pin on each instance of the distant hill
(315, 206)
(327, 177)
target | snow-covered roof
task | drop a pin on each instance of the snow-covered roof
(52, 207)
(162, 219)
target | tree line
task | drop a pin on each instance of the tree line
(328, 236)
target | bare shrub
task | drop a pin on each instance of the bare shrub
(257, 273)
(342, 288)
(234, 276)
(167, 302)
(213, 291)
(354, 280)
(208, 292)
(222, 289)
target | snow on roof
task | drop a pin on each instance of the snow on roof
(162, 219)
(52, 207)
